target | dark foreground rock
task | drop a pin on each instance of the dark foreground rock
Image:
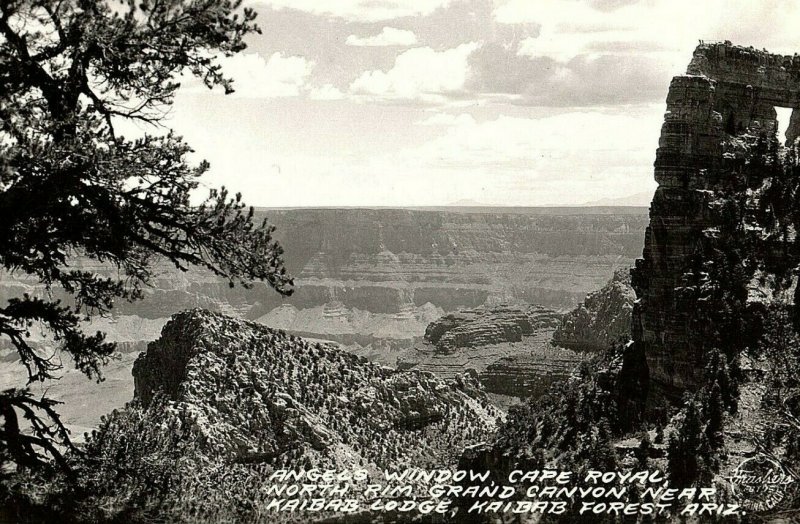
(719, 217)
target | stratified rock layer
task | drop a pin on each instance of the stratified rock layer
(382, 260)
(715, 114)
(507, 346)
(483, 326)
(373, 276)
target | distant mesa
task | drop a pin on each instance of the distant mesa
(636, 200)
(484, 326)
(467, 202)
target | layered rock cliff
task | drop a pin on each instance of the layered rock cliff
(520, 351)
(382, 260)
(353, 327)
(484, 326)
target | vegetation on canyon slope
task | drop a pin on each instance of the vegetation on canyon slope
(602, 319)
(741, 288)
(248, 401)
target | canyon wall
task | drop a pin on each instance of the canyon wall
(374, 277)
(717, 159)
(382, 259)
(378, 277)
(373, 280)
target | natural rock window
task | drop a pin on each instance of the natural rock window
(784, 115)
(725, 186)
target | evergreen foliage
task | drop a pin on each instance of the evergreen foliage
(71, 71)
(689, 452)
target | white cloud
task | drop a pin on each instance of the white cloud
(569, 29)
(279, 76)
(326, 92)
(563, 47)
(611, 52)
(389, 36)
(670, 28)
(547, 12)
(567, 158)
(516, 137)
(359, 10)
(555, 55)
(420, 74)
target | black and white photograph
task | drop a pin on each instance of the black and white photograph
(400, 261)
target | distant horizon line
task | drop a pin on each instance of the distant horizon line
(448, 206)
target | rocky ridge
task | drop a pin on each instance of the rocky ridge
(225, 393)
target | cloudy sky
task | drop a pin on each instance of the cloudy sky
(430, 102)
